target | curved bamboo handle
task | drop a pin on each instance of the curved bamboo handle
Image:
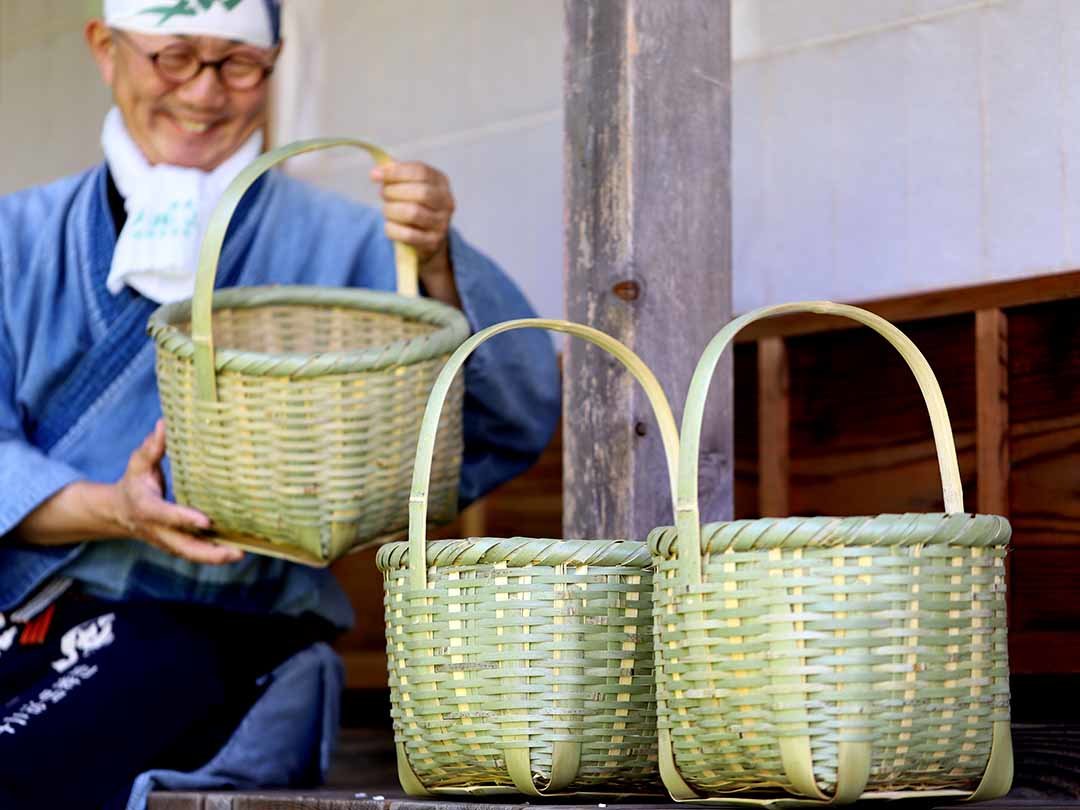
(202, 302)
(687, 518)
(425, 446)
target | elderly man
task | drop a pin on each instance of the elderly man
(134, 652)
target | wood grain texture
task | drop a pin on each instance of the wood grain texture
(1047, 760)
(1045, 481)
(936, 304)
(1047, 770)
(190, 801)
(336, 800)
(1046, 590)
(530, 505)
(648, 246)
(860, 434)
(1034, 652)
(992, 411)
(992, 422)
(774, 428)
(1044, 430)
(745, 408)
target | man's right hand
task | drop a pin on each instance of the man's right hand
(133, 507)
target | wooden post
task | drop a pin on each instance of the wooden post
(774, 428)
(992, 411)
(992, 422)
(648, 248)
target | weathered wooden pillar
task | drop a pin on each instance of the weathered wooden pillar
(647, 88)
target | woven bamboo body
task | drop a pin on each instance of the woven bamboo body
(803, 661)
(521, 665)
(530, 646)
(292, 424)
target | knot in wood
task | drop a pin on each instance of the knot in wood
(627, 290)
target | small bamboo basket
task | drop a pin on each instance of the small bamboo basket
(292, 424)
(812, 661)
(521, 665)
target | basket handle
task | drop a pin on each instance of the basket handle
(201, 332)
(425, 446)
(686, 511)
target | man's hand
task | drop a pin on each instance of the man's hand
(142, 511)
(417, 206)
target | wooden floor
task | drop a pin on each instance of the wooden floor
(344, 800)
(364, 778)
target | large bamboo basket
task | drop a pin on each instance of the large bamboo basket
(820, 660)
(521, 665)
(292, 424)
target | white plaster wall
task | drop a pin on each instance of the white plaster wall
(896, 146)
(51, 99)
(881, 147)
(473, 87)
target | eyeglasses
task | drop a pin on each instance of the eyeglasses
(180, 63)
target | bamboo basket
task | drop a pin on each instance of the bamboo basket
(820, 660)
(521, 665)
(292, 424)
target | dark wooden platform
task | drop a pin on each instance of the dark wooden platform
(1047, 757)
(345, 800)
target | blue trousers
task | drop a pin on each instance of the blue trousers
(92, 693)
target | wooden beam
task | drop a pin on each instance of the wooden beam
(1035, 290)
(648, 247)
(992, 425)
(774, 429)
(992, 411)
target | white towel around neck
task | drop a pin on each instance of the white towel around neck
(168, 211)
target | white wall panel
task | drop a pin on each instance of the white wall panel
(1022, 68)
(880, 148)
(505, 205)
(788, 24)
(944, 153)
(1070, 127)
(748, 99)
(52, 101)
(473, 87)
(868, 123)
(799, 193)
(954, 129)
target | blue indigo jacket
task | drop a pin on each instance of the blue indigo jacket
(62, 420)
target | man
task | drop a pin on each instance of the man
(129, 644)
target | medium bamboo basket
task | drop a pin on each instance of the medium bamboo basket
(292, 422)
(521, 665)
(821, 660)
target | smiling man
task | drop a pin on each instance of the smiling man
(134, 652)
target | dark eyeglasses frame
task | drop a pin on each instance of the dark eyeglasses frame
(216, 64)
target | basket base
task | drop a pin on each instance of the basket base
(260, 545)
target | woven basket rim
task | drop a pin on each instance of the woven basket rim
(965, 529)
(518, 551)
(453, 330)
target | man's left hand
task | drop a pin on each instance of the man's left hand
(417, 207)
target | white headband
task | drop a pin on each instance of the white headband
(245, 20)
